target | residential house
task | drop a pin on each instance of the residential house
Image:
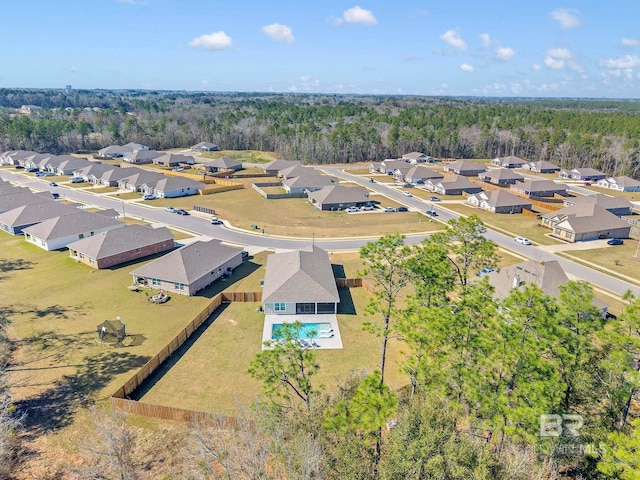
(548, 276)
(296, 171)
(585, 222)
(466, 168)
(15, 220)
(173, 160)
(17, 157)
(93, 171)
(5, 157)
(172, 187)
(272, 168)
(419, 174)
(509, 162)
(223, 164)
(391, 165)
(585, 174)
(499, 201)
(453, 186)
(339, 197)
(136, 181)
(110, 178)
(401, 171)
(616, 205)
(501, 176)
(56, 233)
(300, 282)
(36, 160)
(117, 151)
(189, 269)
(308, 183)
(8, 188)
(205, 147)
(140, 157)
(540, 188)
(621, 184)
(15, 199)
(121, 245)
(66, 164)
(541, 166)
(417, 157)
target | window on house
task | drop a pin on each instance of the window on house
(557, 231)
(179, 286)
(81, 235)
(279, 307)
(305, 308)
(82, 255)
(155, 282)
(92, 260)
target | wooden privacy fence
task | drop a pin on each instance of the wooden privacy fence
(220, 188)
(241, 297)
(348, 282)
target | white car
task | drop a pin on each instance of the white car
(407, 194)
(366, 208)
(352, 210)
(522, 241)
(76, 179)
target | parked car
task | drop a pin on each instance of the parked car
(53, 184)
(18, 167)
(244, 254)
(32, 170)
(402, 209)
(407, 194)
(407, 185)
(432, 213)
(522, 241)
(485, 271)
(56, 196)
(434, 199)
(615, 241)
(352, 209)
(170, 209)
(389, 209)
(216, 221)
(177, 169)
(148, 197)
(76, 179)
(367, 208)
(40, 174)
(181, 211)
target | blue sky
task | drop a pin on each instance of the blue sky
(541, 48)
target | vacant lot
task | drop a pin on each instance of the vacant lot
(619, 259)
(251, 156)
(297, 217)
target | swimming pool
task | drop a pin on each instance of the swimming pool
(308, 330)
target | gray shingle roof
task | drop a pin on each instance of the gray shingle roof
(9, 201)
(540, 186)
(279, 164)
(120, 240)
(465, 166)
(299, 276)
(501, 174)
(340, 194)
(297, 171)
(420, 171)
(77, 223)
(318, 180)
(502, 198)
(167, 184)
(189, 263)
(224, 162)
(605, 201)
(587, 217)
(35, 212)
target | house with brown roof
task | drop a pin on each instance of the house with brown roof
(453, 186)
(300, 282)
(616, 205)
(509, 162)
(308, 183)
(465, 168)
(501, 176)
(539, 188)
(620, 184)
(56, 233)
(548, 276)
(222, 164)
(189, 269)
(339, 197)
(121, 245)
(173, 160)
(499, 201)
(585, 222)
(541, 166)
(272, 168)
(296, 171)
(583, 173)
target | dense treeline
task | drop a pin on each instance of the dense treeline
(329, 129)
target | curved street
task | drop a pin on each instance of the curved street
(202, 226)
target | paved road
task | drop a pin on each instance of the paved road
(203, 227)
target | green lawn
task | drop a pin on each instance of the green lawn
(516, 225)
(122, 195)
(297, 217)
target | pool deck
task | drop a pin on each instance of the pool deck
(324, 341)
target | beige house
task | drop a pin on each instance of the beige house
(339, 197)
(499, 201)
(585, 222)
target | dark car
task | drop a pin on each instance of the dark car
(181, 211)
(615, 241)
(53, 184)
(434, 199)
(432, 213)
(18, 167)
(402, 209)
(32, 170)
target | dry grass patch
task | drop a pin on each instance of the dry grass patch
(618, 259)
(631, 196)
(252, 156)
(126, 195)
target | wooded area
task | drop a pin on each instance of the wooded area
(603, 134)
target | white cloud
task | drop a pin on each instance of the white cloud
(505, 53)
(73, 69)
(357, 14)
(630, 42)
(465, 67)
(278, 32)
(304, 78)
(486, 39)
(453, 38)
(212, 41)
(536, 67)
(560, 53)
(566, 18)
(628, 61)
(553, 63)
